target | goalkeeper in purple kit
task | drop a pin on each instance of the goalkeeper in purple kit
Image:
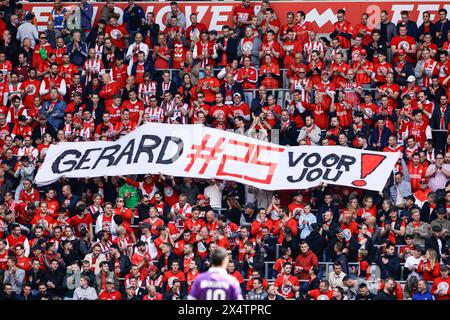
(216, 283)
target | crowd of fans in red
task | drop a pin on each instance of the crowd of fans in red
(148, 237)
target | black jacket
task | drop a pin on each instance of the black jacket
(289, 135)
(151, 31)
(197, 260)
(124, 265)
(5, 187)
(351, 133)
(231, 50)
(390, 269)
(36, 133)
(383, 296)
(432, 243)
(161, 261)
(294, 245)
(436, 117)
(256, 264)
(270, 248)
(173, 88)
(57, 278)
(408, 69)
(354, 247)
(34, 278)
(235, 88)
(317, 244)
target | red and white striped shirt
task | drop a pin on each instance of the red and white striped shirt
(311, 46)
(146, 90)
(92, 67)
(155, 114)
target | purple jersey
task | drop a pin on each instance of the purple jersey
(216, 284)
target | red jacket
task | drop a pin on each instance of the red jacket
(306, 261)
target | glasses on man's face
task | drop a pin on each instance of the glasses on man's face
(43, 38)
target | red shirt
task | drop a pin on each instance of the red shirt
(284, 289)
(250, 81)
(115, 295)
(344, 27)
(115, 32)
(79, 223)
(317, 295)
(33, 196)
(213, 82)
(271, 114)
(243, 14)
(406, 43)
(269, 81)
(134, 107)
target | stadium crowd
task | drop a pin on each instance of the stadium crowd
(148, 237)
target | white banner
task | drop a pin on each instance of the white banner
(202, 152)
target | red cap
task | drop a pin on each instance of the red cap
(201, 197)
(401, 52)
(364, 52)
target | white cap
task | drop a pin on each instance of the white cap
(411, 79)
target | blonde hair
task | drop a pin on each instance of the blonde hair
(433, 257)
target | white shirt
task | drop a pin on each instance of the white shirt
(412, 262)
(142, 47)
(27, 30)
(214, 193)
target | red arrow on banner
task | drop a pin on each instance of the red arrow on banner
(369, 162)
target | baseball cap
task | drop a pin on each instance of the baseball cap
(201, 197)
(410, 197)
(110, 281)
(411, 79)
(401, 52)
(236, 94)
(129, 286)
(424, 180)
(364, 52)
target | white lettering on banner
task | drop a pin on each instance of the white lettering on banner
(119, 11)
(202, 152)
(200, 11)
(161, 17)
(218, 17)
(42, 15)
(421, 8)
(215, 14)
(321, 18)
(397, 8)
